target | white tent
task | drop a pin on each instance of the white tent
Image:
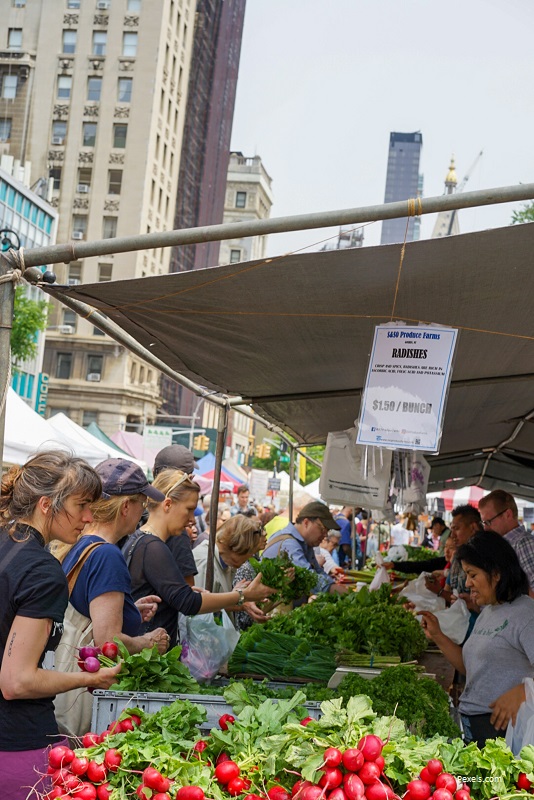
(84, 444)
(313, 489)
(26, 431)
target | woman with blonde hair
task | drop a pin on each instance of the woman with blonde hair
(154, 569)
(48, 499)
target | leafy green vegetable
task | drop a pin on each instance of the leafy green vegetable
(274, 574)
(149, 671)
(260, 652)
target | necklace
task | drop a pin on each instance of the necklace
(149, 529)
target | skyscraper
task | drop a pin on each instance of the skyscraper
(402, 182)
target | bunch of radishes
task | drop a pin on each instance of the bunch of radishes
(88, 656)
(76, 776)
(118, 726)
(435, 784)
(154, 785)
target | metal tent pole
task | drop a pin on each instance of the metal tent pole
(7, 297)
(222, 426)
(291, 473)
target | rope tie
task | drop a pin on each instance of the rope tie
(412, 212)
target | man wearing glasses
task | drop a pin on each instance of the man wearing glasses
(298, 540)
(498, 511)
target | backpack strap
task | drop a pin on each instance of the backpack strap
(279, 539)
(131, 543)
(74, 572)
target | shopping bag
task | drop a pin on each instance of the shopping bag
(454, 621)
(73, 709)
(206, 646)
(379, 579)
(350, 475)
(422, 598)
(522, 733)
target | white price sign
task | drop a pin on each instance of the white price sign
(406, 388)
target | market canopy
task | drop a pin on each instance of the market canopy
(291, 335)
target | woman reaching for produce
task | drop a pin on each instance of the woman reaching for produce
(47, 499)
(500, 651)
(153, 568)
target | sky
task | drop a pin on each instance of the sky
(322, 85)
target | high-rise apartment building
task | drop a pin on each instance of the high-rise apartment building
(402, 183)
(94, 95)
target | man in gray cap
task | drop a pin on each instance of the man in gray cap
(299, 539)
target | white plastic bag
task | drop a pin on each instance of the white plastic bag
(522, 733)
(346, 476)
(379, 579)
(422, 598)
(206, 646)
(454, 621)
(397, 553)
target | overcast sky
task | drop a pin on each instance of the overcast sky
(322, 84)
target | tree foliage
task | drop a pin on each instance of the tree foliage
(525, 214)
(29, 317)
(276, 457)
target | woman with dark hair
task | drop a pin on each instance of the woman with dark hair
(499, 653)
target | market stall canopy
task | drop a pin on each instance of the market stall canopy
(86, 445)
(291, 335)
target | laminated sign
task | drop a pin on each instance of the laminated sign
(349, 477)
(407, 385)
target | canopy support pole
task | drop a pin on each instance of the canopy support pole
(7, 298)
(291, 474)
(222, 427)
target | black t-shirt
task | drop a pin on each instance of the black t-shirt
(154, 571)
(181, 548)
(32, 584)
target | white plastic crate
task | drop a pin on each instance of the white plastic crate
(108, 706)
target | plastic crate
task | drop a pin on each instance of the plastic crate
(108, 706)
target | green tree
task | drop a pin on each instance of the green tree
(525, 214)
(277, 457)
(29, 317)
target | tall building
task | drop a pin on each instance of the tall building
(94, 94)
(402, 182)
(447, 221)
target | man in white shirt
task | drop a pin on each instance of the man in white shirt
(398, 533)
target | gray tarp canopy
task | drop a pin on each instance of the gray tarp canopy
(292, 335)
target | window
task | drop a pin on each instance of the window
(55, 174)
(63, 365)
(59, 131)
(64, 86)
(124, 93)
(74, 3)
(104, 272)
(109, 227)
(119, 135)
(235, 256)
(14, 38)
(75, 273)
(85, 175)
(79, 225)
(89, 134)
(98, 332)
(94, 367)
(114, 181)
(133, 6)
(99, 43)
(9, 87)
(18, 3)
(240, 199)
(88, 417)
(69, 41)
(70, 318)
(129, 44)
(94, 88)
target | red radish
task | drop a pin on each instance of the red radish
(135, 719)
(54, 792)
(235, 786)
(60, 776)
(226, 771)
(378, 791)
(86, 792)
(369, 773)
(143, 792)
(225, 720)
(522, 781)
(419, 790)
(222, 757)
(331, 779)
(278, 793)
(380, 763)
(72, 783)
(353, 759)
(78, 765)
(298, 788)
(434, 766)
(161, 796)
(103, 792)
(112, 759)
(89, 652)
(96, 773)
(89, 740)
(428, 776)
(115, 727)
(247, 783)
(446, 781)
(190, 793)
(104, 735)
(332, 757)
(306, 721)
(442, 794)
(371, 747)
(312, 792)
(126, 725)
(337, 794)
(354, 788)
(91, 664)
(81, 664)
(252, 797)
(110, 650)
(60, 756)
(199, 746)
(462, 794)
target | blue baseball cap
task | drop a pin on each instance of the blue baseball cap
(120, 476)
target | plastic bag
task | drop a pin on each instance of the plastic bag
(379, 579)
(397, 553)
(346, 477)
(422, 598)
(206, 646)
(522, 733)
(454, 621)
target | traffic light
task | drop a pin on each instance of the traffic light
(258, 450)
(266, 451)
(262, 451)
(201, 442)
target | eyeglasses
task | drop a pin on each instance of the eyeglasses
(322, 526)
(487, 522)
(185, 477)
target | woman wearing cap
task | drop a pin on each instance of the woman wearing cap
(46, 500)
(153, 568)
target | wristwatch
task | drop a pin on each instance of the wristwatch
(241, 594)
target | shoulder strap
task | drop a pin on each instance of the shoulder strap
(74, 572)
(129, 547)
(279, 539)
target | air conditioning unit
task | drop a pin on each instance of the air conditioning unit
(57, 140)
(77, 235)
(82, 188)
(102, 5)
(73, 281)
(94, 376)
